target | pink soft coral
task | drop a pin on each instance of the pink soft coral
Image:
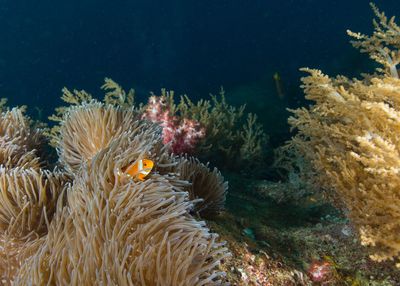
(182, 133)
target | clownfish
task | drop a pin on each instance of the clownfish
(140, 169)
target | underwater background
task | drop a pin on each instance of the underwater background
(192, 47)
(279, 227)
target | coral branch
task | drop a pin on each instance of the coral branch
(351, 134)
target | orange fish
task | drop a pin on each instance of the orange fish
(140, 169)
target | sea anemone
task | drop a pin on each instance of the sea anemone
(19, 141)
(88, 128)
(28, 199)
(207, 185)
(114, 230)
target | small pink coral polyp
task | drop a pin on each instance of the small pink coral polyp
(320, 271)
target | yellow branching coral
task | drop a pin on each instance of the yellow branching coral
(207, 185)
(115, 95)
(351, 136)
(3, 102)
(231, 137)
(73, 98)
(384, 45)
(253, 140)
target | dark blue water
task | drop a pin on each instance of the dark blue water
(192, 47)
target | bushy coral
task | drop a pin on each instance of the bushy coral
(217, 131)
(350, 135)
(182, 134)
(211, 130)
